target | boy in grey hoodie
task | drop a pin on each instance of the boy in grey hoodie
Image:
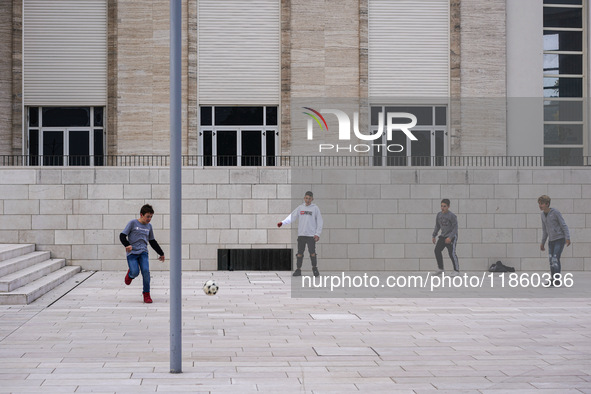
(309, 229)
(554, 229)
(447, 222)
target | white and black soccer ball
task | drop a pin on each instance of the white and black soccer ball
(210, 287)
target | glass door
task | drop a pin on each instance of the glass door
(79, 147)
(420, 150)
(227, 147)
(252, 148)
(53, 148)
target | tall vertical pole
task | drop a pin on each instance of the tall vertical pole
(176, 350)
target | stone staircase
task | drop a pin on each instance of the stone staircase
(26, 274)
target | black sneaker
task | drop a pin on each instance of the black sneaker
(297, 272)
(315, 271)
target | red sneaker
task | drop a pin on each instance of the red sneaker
(147, 298)
(127, 278)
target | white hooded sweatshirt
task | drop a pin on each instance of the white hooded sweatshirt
(310, 220)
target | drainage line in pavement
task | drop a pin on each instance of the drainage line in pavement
(67, 292)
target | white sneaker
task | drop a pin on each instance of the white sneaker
(455, 273)
(437, 273)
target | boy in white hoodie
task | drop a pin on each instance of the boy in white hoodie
(309, 229)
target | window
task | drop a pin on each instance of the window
(408, 48)
(71, 136)
(238, 135)
(564, 82)
(430, 131)
(64, 52)
(239, 52)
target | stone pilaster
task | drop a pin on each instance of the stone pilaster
(483, 78)
(112, 78)
(6, 77)
(17, 77)
(192, 105)
(455, 121)
(285, 105)
(143, 43)
(364, 62)
(324, 50)
(363, 50)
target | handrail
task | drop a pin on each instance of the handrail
(291, 161)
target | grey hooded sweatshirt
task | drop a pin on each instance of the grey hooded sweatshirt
(447, 223)
(553, 226)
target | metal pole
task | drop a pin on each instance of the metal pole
(176, 350)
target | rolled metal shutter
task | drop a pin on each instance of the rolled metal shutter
(65, 52)
(409, 48)
(238, 45)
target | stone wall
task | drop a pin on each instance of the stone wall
(375, 218)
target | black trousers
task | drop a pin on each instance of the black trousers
(302, 242)
(451, 249)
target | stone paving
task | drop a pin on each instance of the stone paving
(254, 337)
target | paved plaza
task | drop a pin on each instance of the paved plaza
(254, 337)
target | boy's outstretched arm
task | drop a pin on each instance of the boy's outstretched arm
(125, 242)
(288, 219)
(157, 248)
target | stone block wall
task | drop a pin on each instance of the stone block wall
(374, 218)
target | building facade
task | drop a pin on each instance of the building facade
(86, 78)
(86, 81)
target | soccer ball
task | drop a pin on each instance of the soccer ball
(210, 287)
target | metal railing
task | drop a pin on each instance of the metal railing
(292, 161)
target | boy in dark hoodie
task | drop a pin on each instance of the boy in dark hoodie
(447, 222)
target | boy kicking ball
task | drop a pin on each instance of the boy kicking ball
(135, 237)
(309, 229)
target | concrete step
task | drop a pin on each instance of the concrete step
(30, 292)
(20, 262)
(27, 275)
(8, 251)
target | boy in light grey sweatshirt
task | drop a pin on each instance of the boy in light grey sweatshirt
(447, 222)
(555, 230)
(309, 229)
